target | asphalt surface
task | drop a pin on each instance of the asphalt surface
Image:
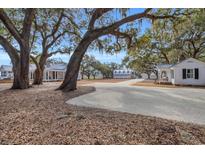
(182, 104)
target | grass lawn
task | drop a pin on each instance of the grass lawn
(39, 115)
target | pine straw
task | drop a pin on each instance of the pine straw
(39, 115)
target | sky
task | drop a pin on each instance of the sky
(102, 57)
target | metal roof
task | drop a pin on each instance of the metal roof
(164, 66)
(6, 68)
(56, 67)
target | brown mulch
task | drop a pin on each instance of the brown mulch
(40, 115)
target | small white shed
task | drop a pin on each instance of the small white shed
(188, 72)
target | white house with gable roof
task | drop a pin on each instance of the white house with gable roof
(6, 72)
(188, 72)
(54, 72)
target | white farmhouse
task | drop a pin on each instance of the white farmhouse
(188, 72)
(123, 74)
(6, 72)
(54, 72)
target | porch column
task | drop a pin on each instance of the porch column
(48, 76)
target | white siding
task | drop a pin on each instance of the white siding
(189, 64)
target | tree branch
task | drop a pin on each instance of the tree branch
(67, 50)
(57, 25)
(123, 35)
(34, 59)
(27, 23)
(55, 38)
(97, 14)
(131, 18)
(9, 25)
(12, 52)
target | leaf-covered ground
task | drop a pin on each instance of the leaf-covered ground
(39, 115)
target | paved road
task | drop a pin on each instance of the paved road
(183, 104)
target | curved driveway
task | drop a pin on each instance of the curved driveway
(183, 104)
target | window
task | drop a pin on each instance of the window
(164, 74)
(123, 71)
(190, 73)
(196, 73)
(128, 72)
(4, 74)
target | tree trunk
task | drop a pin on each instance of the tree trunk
(40, 66)
(20, 66)
(148, 75)
(88, 76)
(20, 63)
(38, 76)
(70, 80)
(82, 76)
(16, 81)
(24, 68)
(15, 59)
(20, 80)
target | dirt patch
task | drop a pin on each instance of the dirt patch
(151, 83)
(6, 81)
(39, 115)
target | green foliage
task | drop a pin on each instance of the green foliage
(92, 67)
(169, 41)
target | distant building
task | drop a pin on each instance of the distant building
(6, 72)
(187, 72)
(123, 74)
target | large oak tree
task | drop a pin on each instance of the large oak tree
(50, 30)
(100, 25)
(20, 52)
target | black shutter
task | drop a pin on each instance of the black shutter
(196, 70)
(184, 73)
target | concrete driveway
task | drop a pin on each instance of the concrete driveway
(182, 104)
